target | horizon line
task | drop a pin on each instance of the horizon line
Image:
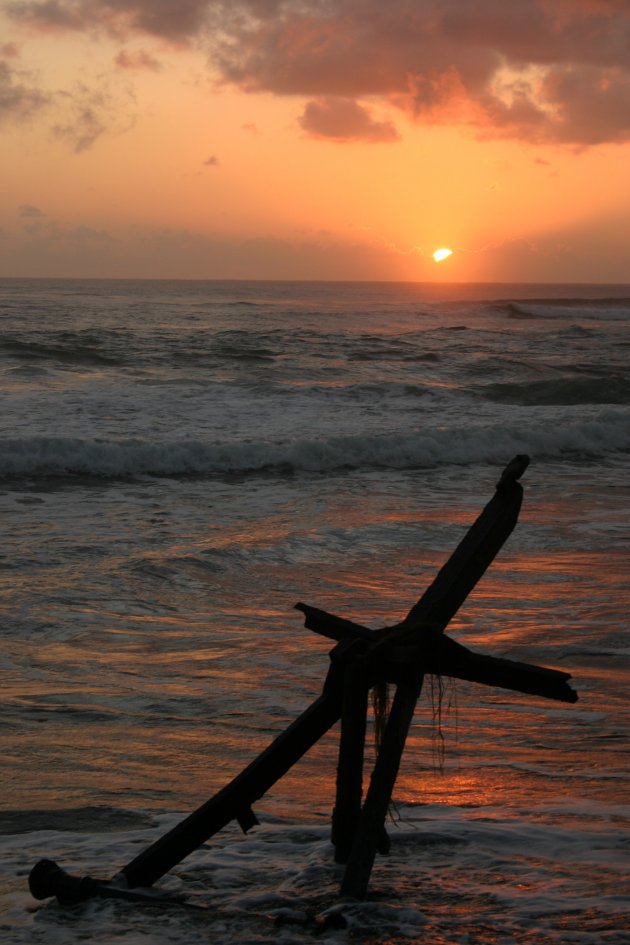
(427, 282)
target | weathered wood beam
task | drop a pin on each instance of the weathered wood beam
(455, 580)
(425, 621)
(239, 794)
(349, 786)
(333, 627)
(357, 874)
(443, 656)
(446, 657)
(475, 552)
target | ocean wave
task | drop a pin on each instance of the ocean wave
(40, 456)
(607, 389)
(595, 309)
(73, 352)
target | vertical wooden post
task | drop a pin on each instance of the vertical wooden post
(347, 810)
(371, 826)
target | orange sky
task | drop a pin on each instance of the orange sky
(317, 140)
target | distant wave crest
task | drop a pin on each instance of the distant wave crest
(611, 388)
(596, 309)
(41, 457)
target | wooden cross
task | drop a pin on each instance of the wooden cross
(402, 655)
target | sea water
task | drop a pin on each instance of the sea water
(181, 462)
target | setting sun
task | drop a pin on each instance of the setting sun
(325, 153)
(441, 254)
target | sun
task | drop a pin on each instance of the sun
(441, 254)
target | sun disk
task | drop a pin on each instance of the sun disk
(441, 254)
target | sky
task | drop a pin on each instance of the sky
(316, 139)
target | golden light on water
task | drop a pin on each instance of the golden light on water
(441, 254)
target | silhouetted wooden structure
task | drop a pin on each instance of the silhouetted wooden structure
(401, 655)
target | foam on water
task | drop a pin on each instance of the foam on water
(455, 874)
(37, 457)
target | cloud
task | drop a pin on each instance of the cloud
(138, 252)
(79, 115)
(86, 113)
(28, 210)
(17, 99)
(594, 246)
(343, 119)
(9, 51)
(212, 161)
(553, 71)
(137, 61)
(167, 19)
(87, 234)
(592, 105)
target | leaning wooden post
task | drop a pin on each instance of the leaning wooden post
(399, 654)
(428, 618)
(366, 843)
(235, 799)
(347, 810)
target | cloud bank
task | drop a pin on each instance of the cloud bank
(19, 99)
(549, 71)
(344, 119)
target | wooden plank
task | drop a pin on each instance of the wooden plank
(331, 626)
(449, 589)
(443, 656)
(446, 657)
(424, 623)
(48, 879)
(349, 785)
(246, 819)
(239, 794)
(473, 555)
(357, 874)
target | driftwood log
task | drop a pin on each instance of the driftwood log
(401, 654)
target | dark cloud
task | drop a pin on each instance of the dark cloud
(137, 61)
(79, 115)
(138, 252)
(30, 211)
(87, 112)
(17, 98)
(9, 51)
(344, 119)
(173, 20)
(87, 234)
(593, 105)
(540, 70)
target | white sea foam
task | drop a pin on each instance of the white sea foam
(55, 456)
(451, 873)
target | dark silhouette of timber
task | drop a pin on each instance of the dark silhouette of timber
(401, 654)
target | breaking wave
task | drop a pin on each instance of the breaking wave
(40, 457)
(596, 309)
(607, 389)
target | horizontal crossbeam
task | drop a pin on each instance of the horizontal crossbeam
(391, 661)
(449, 658)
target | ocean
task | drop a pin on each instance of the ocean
(181, 462)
